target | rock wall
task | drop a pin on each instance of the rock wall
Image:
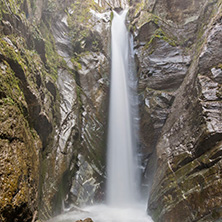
(179, 64)
(25, 104)
(54, 77)
(77, 150)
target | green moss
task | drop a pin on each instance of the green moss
(53, 60)
(111, 16)
(21, 162)
(76, 63)
(79, 93)
(13, 7)
(9, 87)
(8, 100)
(79, 22)
(8, 51)
(219, 65)
(138, 7)
(159, 34)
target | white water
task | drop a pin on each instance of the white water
(121, 164)
(104, 213)
(123, 204)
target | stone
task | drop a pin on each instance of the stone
(7, 27)
(178, 11)
(86, 220)
(53, 109)
(146, 31)
(51, 88)
(180, 116)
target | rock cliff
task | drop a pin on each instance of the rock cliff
(26, 112)
(54, 76)
(179, 64)
(77, 149)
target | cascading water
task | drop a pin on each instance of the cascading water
(123, 204)
(121, 182)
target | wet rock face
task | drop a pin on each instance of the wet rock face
(92, 81)
(78, 145)
(211, 58)
(27, 110)
(178, 11)
(179, 69)
(19, 166)
(187, 182)
(63, 77)
(162, 66)
(61, 100)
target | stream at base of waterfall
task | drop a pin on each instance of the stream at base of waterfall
(105, 213)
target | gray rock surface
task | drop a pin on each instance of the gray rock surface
(77, 147)
(186, 183)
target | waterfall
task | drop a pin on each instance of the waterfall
(123, 204)
(121, 163)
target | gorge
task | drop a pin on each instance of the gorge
(54, 98)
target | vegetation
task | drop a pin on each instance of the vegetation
(18, 140)
(160, 34)
(80, 24)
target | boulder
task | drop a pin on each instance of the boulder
(86, 220)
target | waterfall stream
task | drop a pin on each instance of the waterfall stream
(121, 182)
(123, 203)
